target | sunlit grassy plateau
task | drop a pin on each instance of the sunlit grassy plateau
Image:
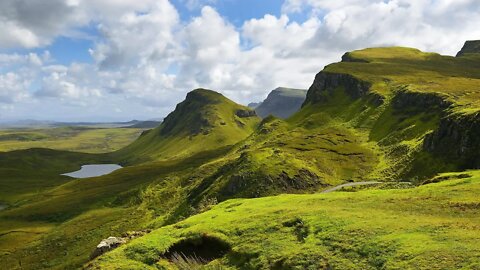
(227, 190)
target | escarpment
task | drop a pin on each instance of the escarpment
(326, 83)
(413, 118)
(457, 138)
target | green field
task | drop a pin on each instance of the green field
(79, 139)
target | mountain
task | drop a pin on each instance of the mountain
(204, 121)
(281, 102)
(471, 46)
(398, 117)
(253, 105)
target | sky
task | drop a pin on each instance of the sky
(118, 60)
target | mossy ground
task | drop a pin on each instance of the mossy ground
(428, 227)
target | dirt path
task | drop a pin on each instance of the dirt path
(350, 185)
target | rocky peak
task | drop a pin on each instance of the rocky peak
(470, 46)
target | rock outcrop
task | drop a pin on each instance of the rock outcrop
(107, 245)
(325, 84)
(245, 113)
(282, 102)
(471, 46)
(457, 138)
(113, 242)
(423, 101)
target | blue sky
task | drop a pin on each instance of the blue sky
(81, 60)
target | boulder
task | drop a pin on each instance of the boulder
(107, 245)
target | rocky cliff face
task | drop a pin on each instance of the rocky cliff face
(325, 83)
(422, 101)
(471, 46)
(453, 138)
(457, 139)
(282, 102)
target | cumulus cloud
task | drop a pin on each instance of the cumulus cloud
(432, 25)
(146, 55)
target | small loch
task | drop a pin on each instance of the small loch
(94, 170)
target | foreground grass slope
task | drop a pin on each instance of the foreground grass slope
(434, 226)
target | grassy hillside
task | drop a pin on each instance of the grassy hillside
(454, 78)
(79, 139)
(26, 173)
(206, 120)
(429, 227)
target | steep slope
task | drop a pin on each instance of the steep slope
(204, 121)
(429, 227)
(281, 102)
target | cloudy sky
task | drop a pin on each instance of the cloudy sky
(91, 60)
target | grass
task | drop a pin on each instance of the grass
(206, 120)
(78, 139)
(429, 227)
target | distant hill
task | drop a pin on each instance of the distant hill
(281, 102)
(254, 105)
(145, 124)
(471, 46)
(51, 124)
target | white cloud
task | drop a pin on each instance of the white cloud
(146, 57)
(432, 25)
(12, 88)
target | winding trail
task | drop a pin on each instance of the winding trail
(350, 185)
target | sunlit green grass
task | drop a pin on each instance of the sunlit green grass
(429, 227)
(455, 78)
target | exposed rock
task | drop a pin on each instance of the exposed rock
(107, 245)
(424, 101)
(113, 242)
(245, 113)
(282, 102)
(457, 138)
(347, 57)
(326, 82)
(471, 46)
